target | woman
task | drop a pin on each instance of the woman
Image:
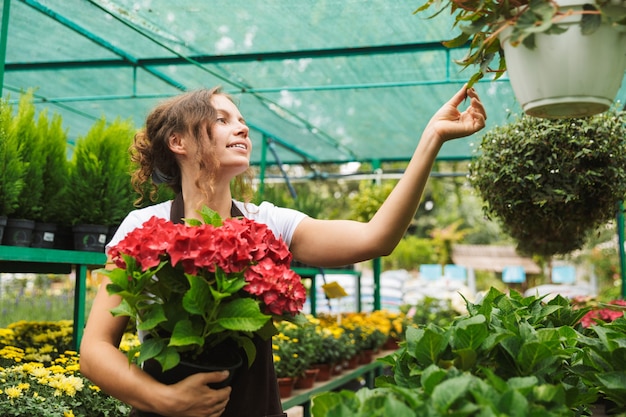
(198, 143)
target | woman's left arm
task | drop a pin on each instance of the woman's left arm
(341, 242)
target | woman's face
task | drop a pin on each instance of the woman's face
(230, 137)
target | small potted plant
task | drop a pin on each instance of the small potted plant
(550, 49)
(54, 178)
(206, 301)
(99, 188)
(552, 182)
(28, 131)
(12, 166)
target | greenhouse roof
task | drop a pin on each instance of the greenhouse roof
(326, 80)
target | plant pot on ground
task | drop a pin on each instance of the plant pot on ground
(575, 35)
(552, 182)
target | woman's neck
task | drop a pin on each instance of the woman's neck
(219, 201)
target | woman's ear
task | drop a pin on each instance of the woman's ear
(177, 144)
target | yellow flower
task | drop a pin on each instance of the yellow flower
(68, 413)
(13, 392)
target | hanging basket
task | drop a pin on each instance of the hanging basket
(569, 74)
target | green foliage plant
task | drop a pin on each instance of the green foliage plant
(28, 132)
(552, 182)
(12, 167)
(287, 363)
(603, 363)
(99, 189)
(370, 197)
(510, 355)
(55, 170)
(481, 21)
(411, 252)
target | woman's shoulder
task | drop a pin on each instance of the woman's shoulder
(282, 221)
(137, 217)
(161, 210)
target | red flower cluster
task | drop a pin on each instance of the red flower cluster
(606, 314)
(240, 245)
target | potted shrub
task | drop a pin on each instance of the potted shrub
(552, 182)
(99, 189)
(550, 49)
(28, 134)
(510, 355)
(11, 166)
(54, 179)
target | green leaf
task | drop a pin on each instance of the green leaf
(151, 317)
(447, 392)
(335, 404)
(249, 348)
(198, 298)
(589, 23)
(118, 276)
(533, 357)
(123, 309)
(168, 358)
(431, 377)
(470, 333)
(211, 217)
(185, 334)
(150, 348)
(242, 314)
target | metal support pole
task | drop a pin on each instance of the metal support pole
(376, 262)
(622, 255)
(263, 166)
(3, 40)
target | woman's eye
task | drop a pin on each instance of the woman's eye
(221, 120)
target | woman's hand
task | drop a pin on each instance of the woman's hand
(191, 397)
(449, 123)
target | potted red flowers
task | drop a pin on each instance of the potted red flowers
(193, 287)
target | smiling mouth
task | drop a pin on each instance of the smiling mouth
(238, 145)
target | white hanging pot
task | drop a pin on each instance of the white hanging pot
(569, 74)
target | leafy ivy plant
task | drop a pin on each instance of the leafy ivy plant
(510, 355)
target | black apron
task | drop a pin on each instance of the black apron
(255, 388)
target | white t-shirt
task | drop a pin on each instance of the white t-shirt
(281, 221)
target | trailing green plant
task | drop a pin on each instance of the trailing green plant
(510, 355)
(99, 187)
(552, 182)
(481, 21)
(12, 167)
(28, 133)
